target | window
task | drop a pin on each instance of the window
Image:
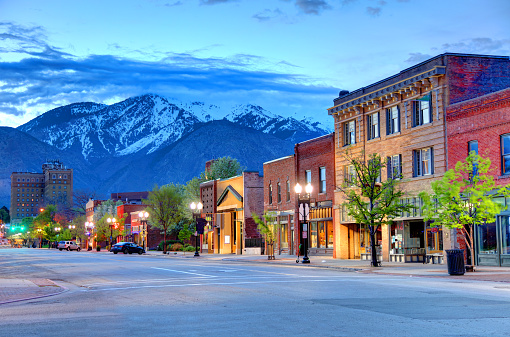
(422, 113)
(423, 162)
(392, 120)
(373, 126)
(54, 176)
(65, 176)
(279, 192)
(350, 175)
(322, 177)
(350, 133)
(505, 154)
(288, 190)
(394, 166)
(308, 176)
(270, 194)
(473, 146)
(377, 166)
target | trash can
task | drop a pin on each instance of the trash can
(455, 260)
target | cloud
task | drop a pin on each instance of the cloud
(478, 45)
(177, 3)
(415, 58)
(268, 14)
(374, 11)
(46, 77)
(312, 6)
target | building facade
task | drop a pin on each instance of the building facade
(402, 118)
(483, 125)
(32, 191)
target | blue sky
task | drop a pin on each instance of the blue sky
(289, 56)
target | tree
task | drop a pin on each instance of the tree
(4, 215)
(184, 235)
(368, 200)
(269, 228)
(463, 198)
(80, 199)
(166, 208)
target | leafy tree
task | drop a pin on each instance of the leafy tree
(268, 228)
(166, 208)
(463, 198)
(105, 229)
(222, 168)
(370, 201)
(4, 215)
(185, 234)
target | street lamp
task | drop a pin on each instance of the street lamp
(111, 223)
(304, 211)
(143, 216)
(89, 232)
(196, 215)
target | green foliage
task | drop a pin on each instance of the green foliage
(176, 247)
(185, 234)
(222, 168)
(166, 207)
(189, 249)
(267, 226)
(463, 198)
(4, 215)
(369, 200)
(104, 229)
(167, 243)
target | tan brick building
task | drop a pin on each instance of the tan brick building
(402, 118)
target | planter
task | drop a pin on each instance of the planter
(98, 248)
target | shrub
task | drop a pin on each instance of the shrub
(168, 243)
(176, 247)
(190, 248)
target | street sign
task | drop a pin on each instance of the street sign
(201, 223)
(305, 235)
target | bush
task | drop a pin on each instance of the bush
(190, 249)
(168, 243)
(176, 247)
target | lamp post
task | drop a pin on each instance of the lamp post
(111, 223)
(304, 211)
(89, 232)
(143, 216)
(196, 215)
(57, 229)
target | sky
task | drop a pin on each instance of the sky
(291, 57)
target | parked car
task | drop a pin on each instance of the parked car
(68, 245)
(127, 248)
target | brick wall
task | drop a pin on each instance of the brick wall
(279, 171)
(253, 201)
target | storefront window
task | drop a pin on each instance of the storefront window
(434, 239)
(313, 234)
(365, 240)
(329, 230)
(487, 241)
(322, 234)
(284, 243)
(397, 236)
(505, 234)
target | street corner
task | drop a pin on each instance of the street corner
(16, 290)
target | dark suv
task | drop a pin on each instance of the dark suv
(127, 248)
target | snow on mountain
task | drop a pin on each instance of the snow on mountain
(144, 124)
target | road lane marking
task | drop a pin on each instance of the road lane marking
(184, 272)
(208, 284)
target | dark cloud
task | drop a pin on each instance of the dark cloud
(312, 6)
(374, 11)
(268, 14)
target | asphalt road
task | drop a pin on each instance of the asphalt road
(131, 295)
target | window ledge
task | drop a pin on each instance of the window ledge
(421, 126)
(425, 177)
(374, 139)
(393, 135)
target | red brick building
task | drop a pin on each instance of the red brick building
(482, 124)
(313, 162)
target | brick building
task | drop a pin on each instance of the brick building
(228, 205)
(32, 191)
(313, 162)
(402, 118)
(482, 125)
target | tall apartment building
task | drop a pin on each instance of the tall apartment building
(32, 191)
(402, 118)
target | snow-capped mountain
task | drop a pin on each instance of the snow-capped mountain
(147, 123)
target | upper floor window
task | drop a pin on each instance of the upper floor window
(54, 176)
(373, 126)
(279, 193)
(270, 194)
(394, 166)
(473, 146)
(349, 174)
(392, 120)
(423, 162)
(322, 181)
(308, 177)
(288, 190)
(350, 133)
(422, 112)
(505, 154)
(65, 176)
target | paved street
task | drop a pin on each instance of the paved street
(108, 294)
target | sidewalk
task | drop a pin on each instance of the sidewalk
(14, 290)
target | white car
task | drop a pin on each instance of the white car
(68, 245)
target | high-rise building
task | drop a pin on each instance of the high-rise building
(31, 191)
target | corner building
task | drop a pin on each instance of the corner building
(402, 118)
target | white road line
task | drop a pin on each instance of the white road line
(208, 284)
(184, 272)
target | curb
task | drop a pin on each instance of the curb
(63, 290)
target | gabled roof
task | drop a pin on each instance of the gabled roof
(225, 192)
